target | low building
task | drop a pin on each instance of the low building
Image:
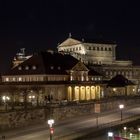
(51, 76)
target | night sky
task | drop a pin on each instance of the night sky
(41, 24)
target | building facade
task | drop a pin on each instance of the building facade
(78, 72)
(51, 76)
(102, 58)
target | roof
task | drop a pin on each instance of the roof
(119, 81)
(93, 72)
(99, 41)
(69, 42)
(45, 63)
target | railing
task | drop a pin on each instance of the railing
(9, 106)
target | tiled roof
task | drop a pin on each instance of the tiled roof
(99, 41)
(119, 81)
(70, 42)
(45, 63)
(94, 73)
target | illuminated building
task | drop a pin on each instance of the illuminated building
(101, 56)
(55, 75)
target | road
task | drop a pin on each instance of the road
(63, 130)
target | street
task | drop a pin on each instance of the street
(63, 130)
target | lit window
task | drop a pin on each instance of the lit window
(95, 78)
(114, 89)
(14, 79)
(59, 68)
(52, 67)
(19, 68)
(6, 79)
(20, 79)
(27, 68)
(34, 67)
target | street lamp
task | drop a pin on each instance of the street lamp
(125, 128)
(130, 135)
(110, 135)
(139, 132)
(5, 99)
(50, 123)
(121, 106)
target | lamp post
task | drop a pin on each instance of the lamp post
(110, 135)
(121, 106)
(139, 133)
(130, 135)
(125, 129)
(50, 123)
(97, 122)
(5, 99)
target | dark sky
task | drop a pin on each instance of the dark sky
(42, 24)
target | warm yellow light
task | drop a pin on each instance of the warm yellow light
(114, 89)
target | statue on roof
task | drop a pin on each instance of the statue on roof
(70, 35)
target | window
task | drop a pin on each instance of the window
(110, 49)
(19, 68)
(59, 68)
(27, 68)
(14, 79)
(7, 79)
(52, 67)
(106, 72)
(34, 67)
(19, 79)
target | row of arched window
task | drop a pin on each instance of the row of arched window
(99, 48)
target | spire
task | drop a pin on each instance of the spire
(70, 35)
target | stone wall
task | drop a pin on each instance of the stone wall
(21, 118)
(64, 112)
(24, 118)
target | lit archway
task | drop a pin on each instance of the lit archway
(76, 97)
(92, 92)
(88, 93)
(98, 92)
(82, 93)
(69, 93)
